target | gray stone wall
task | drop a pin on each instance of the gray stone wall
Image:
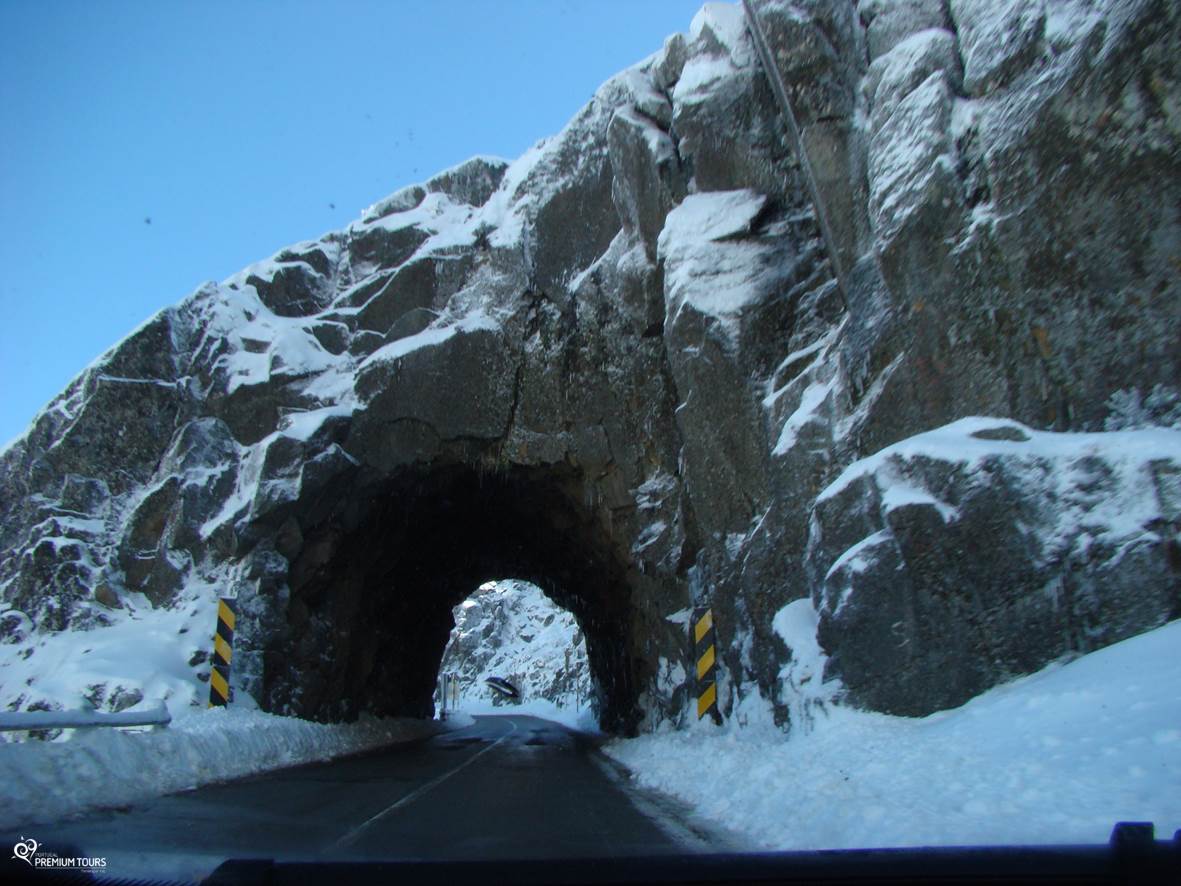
(621, 367)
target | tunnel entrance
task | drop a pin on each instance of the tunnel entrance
(510, 629)
(375, 572)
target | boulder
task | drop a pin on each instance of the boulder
(998, 40)
(890, 22)
(471, 182)
(648, 178)
(964, 556)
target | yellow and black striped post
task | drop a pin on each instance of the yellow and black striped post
(223, 651)
(705, 658)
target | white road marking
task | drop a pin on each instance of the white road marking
(352, 836)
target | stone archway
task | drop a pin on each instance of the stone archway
(509, 628)
(372, 585)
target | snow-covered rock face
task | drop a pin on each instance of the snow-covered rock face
(620, 367)
(509, 629)
(986, 547)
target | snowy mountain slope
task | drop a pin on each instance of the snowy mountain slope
(146, 656)
(510, 629)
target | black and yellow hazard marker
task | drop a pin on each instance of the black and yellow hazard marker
(706, 659)
(223, 651)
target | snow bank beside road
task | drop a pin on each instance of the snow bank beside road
(1056, 757)
(47, 781)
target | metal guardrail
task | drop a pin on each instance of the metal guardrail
(82, 719)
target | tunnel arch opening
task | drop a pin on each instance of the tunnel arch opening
(375, 574)
(509, 629)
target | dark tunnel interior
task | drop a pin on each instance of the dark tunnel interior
(374, 582)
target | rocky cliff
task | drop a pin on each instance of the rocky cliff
(510, 629)
(683, 351)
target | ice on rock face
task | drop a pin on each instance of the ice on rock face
(802, 685)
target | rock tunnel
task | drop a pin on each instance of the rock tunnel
(374, 579)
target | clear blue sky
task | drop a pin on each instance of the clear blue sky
(238, 128)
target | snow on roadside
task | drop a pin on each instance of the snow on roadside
(580, 719)
(48, 781)
(1055, 757)
(144, 656)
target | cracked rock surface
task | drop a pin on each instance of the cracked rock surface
(620, 368)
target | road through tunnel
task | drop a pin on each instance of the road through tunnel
(373, 583)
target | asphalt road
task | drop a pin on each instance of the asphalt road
(508, 787)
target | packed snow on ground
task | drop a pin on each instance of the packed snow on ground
(138, 660)
(1055, 757)
(42, 781)
(135, 665)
